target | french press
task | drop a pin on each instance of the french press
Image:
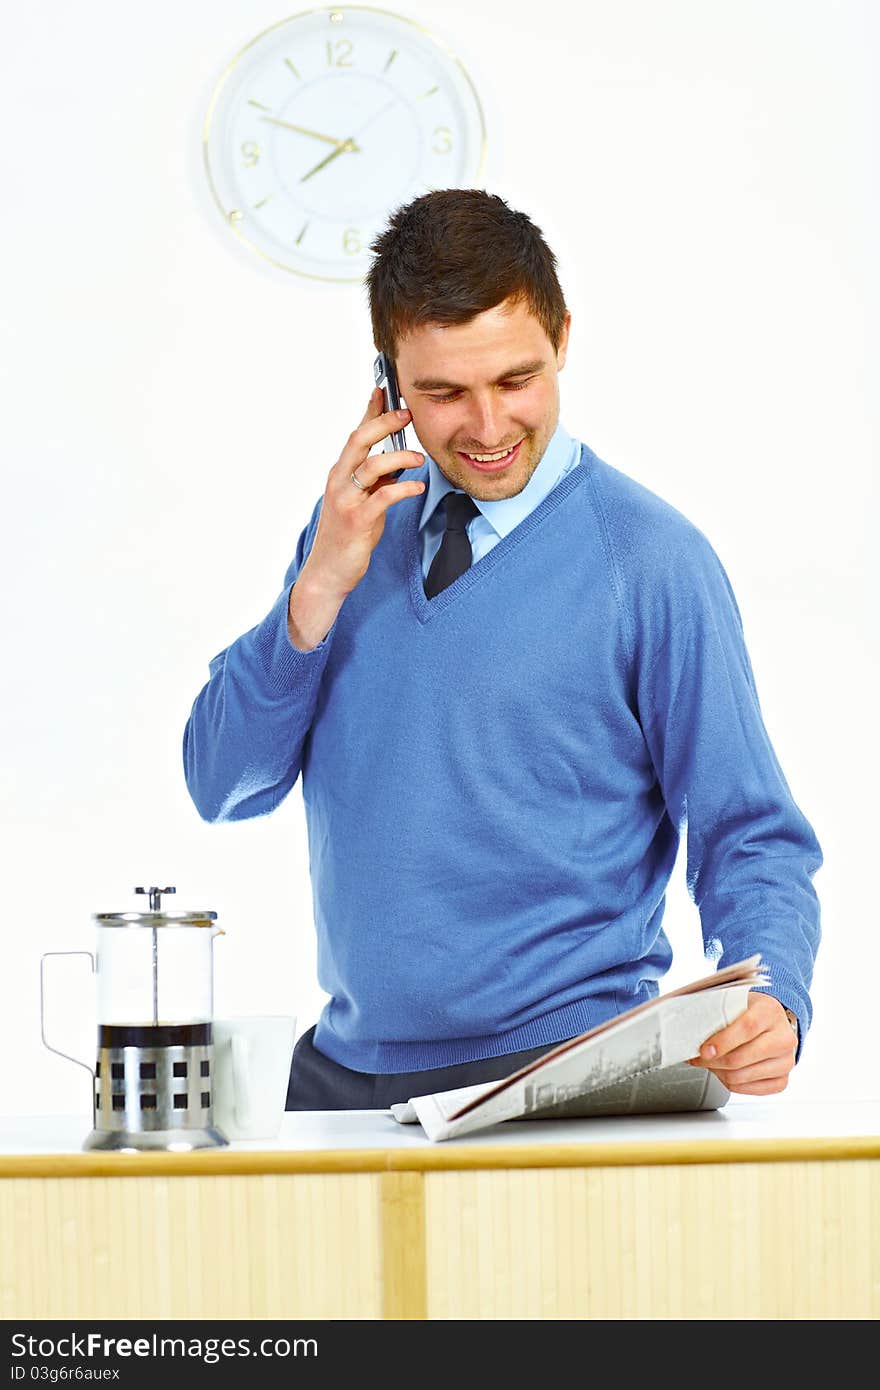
(153, 1075)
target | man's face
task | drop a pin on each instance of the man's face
(479, 388)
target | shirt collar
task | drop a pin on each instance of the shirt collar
(507, 512)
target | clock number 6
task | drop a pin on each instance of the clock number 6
(351, 241)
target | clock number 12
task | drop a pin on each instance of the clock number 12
(342, 61)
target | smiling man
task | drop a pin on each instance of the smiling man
(488, 408)
(509, 676)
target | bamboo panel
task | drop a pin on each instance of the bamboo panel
(404, 1292)
(738, 1241)
(776, 1240)
(304, 1246)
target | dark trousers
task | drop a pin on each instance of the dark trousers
(316, 1083)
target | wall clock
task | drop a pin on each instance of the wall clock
(326, 122)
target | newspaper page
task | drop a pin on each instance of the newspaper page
(634, 1064)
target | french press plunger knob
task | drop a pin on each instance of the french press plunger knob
(155, 896)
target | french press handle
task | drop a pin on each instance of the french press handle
(57, 1050)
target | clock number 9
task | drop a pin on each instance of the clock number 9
(250, 153)
(351, 241)
(442, 140)
(345, 45)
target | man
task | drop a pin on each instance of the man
(509, 676)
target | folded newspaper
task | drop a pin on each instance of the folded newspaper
(634, 1064)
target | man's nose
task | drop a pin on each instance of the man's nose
(486, 421)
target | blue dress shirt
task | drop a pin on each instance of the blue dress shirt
(495, 519)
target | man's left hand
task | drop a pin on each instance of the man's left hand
(754, 1055)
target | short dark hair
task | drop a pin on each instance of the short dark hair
(450, 255)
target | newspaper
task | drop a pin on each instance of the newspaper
(634, 1064)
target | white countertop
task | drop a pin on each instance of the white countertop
(742, 1118)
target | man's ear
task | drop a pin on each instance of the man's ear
(562, 350)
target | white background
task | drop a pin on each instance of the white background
(705, 173)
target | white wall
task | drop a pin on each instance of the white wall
(705, 173)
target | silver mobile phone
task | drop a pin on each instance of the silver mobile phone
(386, 377)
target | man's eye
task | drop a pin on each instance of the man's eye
(508, 386)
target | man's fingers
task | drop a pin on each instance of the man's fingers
(378, 466)
(771, 1087)
(374, 405)
(385, 496)
(760, 1070)
(737, 1034)
(763, 1022)
(376, 425)
(747, 1053)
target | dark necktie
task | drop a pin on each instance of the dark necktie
(454, 555)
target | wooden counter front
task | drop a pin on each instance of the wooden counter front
(764, 1210)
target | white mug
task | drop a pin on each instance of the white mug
(252, 1055)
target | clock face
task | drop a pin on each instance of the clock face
(327, 122)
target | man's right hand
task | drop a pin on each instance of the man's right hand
(351, 523)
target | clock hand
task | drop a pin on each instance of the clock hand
(349, 144)
(302, 130)
(345, 145)
(376, 114)
(341, 146)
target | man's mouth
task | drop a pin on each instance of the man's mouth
(491, 463)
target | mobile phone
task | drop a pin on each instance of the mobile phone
(386, 377)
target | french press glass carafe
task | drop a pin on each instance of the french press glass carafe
(153, 1075)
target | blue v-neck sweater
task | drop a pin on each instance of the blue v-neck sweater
(495, 780)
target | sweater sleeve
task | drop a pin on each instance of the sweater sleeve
(243, 741)
(751, 853)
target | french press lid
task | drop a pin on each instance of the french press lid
(155, 917)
